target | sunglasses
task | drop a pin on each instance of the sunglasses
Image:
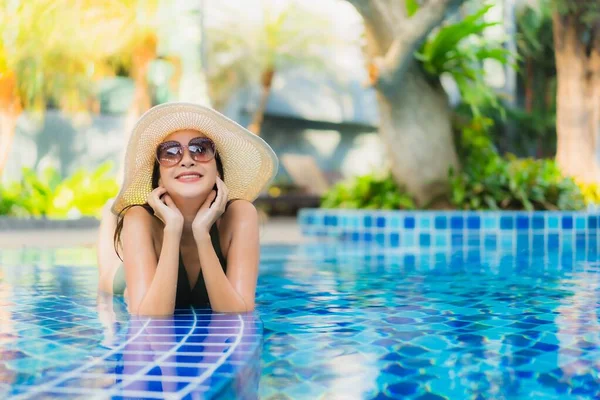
(170, 153)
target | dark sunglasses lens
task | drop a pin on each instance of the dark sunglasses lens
(201, 149)
(169, 154)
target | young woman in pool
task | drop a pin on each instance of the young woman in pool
(183, 230)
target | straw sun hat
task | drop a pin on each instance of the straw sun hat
(249, 163)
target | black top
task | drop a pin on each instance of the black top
(198, 296)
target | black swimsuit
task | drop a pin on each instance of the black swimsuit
(198, 296)
(185, 297)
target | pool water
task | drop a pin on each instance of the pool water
(351, 324)
(338, 322)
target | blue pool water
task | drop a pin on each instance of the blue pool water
(338, 321)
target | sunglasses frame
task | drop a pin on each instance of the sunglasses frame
(183, 147)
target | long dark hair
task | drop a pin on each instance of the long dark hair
(155, 178)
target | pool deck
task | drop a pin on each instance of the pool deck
(276, 230)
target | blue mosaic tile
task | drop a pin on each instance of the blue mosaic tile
(441, 222)
(424, 222)
(553, 221)
(395, 240)
(592, 222)
(441, 240)
(409, 222)
(522, 222)
(456, 222)
(330, 220)
(506, 222)
(473, 222)
(424, 240)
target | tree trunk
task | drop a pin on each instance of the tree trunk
(140, 62)
(415, 115)
(259, 114)
(415, 127)
(578, 102)
(529, 84)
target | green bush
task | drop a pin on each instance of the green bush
(47, 195)
(369, 192)
(490, 181)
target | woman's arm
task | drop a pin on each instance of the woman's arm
(234, 292)
(152, 283)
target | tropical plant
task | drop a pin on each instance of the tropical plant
(369, 192)
(490, 181)
(47, 195)
(460, 49)
(536, 117)
(257, 50)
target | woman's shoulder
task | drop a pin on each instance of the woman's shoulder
(138, 215)
(238, 213)
(240, 210)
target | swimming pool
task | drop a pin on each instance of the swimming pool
(339, 320)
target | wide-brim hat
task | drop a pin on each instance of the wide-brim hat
(249, 163)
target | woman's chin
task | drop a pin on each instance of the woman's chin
(191, 194)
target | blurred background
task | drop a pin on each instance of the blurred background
(369, 104)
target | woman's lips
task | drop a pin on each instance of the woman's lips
(188, 178)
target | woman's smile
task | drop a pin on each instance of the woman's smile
(189, 177)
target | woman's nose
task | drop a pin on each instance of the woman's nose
(186, 159)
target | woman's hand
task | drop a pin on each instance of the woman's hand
(165, 209)
(208, 214)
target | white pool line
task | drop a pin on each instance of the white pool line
(198, 381)
(128, 379)
(75, 372)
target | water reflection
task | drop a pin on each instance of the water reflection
(194, 351)
(59, 337)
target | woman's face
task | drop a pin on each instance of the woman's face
(188, 179)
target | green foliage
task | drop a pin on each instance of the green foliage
(489, 181)
(460, 49)
(536, 118)
(47, 195)
(586, 11)
(411, 7)
(369, 192)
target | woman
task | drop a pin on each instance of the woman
(185, 225)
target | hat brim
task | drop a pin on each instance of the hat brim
(249, 163)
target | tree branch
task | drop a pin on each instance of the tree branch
(379, 24)
(408, 36)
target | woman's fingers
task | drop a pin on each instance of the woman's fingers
(209, 199)
(169, 202)
(154, 195)
(223, 194)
